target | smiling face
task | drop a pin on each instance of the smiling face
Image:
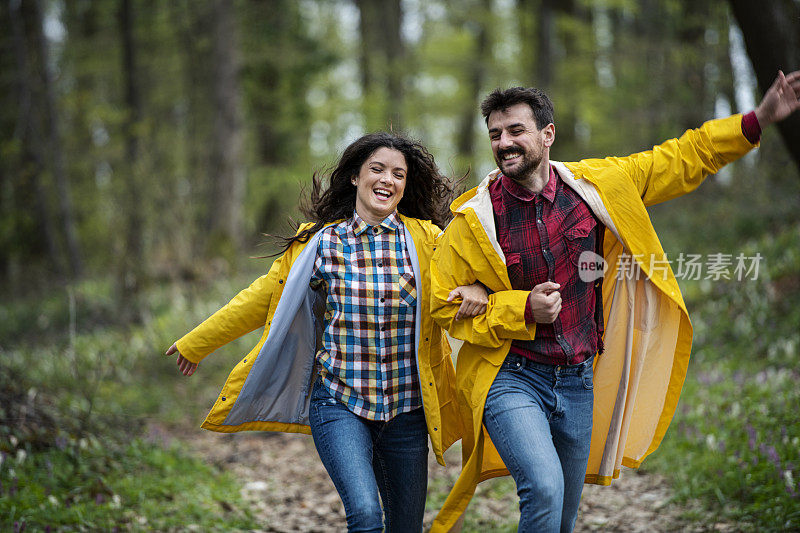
(380, 184)
(517, 144)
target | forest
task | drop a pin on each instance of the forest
(150, 153)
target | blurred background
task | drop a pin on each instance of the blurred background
(146, 147)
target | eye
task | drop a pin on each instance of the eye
(375, 169)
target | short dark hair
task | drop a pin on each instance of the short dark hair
(500, 100)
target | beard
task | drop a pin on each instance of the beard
(530, 162)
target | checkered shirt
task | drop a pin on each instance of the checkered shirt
(367, 361)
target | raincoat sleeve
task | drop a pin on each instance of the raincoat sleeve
(459, 260)
(244, 313)
(679, 166)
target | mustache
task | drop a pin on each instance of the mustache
(503, 152)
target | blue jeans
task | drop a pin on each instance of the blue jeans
(539, 418)
(366, 458)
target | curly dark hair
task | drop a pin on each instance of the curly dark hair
(538, 101)
(427, 194)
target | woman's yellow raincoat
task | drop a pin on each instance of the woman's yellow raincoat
(648, 335)
(269, 388)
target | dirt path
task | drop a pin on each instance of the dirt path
(289, 490)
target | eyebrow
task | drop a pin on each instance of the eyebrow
(510, 126)
(381, 163)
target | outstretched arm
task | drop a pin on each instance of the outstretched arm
(678, 166)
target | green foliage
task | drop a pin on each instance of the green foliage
(95, 484)
(735, 437)
(80, 415)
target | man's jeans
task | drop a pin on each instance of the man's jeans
(540, 420)
(365, 458)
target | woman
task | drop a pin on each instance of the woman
(349, 352)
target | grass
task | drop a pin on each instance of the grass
(110, 485)
(734, 441)
(81, 412)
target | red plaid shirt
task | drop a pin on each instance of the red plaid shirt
(542, 235)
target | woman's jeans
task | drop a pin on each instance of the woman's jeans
(539, 418)
(366, 458)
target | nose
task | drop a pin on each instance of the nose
(504, 141)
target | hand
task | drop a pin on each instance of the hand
(781, 100)
(474, 299)
(186, 367)
(545, 302)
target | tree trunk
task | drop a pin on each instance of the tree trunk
(771, 30)
(381, 58)
(545, 43)
(131, 270)
(393, 40)
(66, 212)
(476, 81)
(226, 217)
(29, 127)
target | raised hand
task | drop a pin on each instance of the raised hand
(781, 99)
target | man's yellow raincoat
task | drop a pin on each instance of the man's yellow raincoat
(269, 388)
(648, 335)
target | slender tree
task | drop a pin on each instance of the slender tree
(228, 180)
(131, 269)
(478, 67)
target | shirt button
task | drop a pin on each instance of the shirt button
(380, 264)
(539, 221)
(375, 230)
(383, 300)
(383, 328)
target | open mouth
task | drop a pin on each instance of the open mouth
(383, 194)
(511, 156)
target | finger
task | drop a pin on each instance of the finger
(455, 293)
(792, 76)
(547, 286)
(192, 368)
(172, 349)
(552, 298)
(481, 310)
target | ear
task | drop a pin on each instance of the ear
(549, 135)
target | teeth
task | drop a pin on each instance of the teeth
(382, 193)
(506, 157)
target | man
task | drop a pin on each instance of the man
(546, 402)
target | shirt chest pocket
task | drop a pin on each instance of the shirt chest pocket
(579, 238)
(408, 289)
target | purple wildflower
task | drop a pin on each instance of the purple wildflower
(751, 433)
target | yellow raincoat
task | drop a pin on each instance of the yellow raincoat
(648, 335)
(269, 389)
